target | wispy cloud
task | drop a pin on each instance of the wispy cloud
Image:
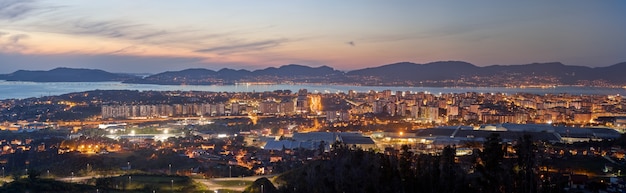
(133, 37)
(110, 29)
(14, 10)
(12, 42)
(152, 34)
(127, 50)
(243, 47)
(17, 37)
(132, 32)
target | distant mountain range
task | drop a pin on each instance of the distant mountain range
(446, 73)
(455, 73)
(65, 75)
(287, 73)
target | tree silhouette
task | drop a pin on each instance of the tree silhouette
(526, 177)
(448, 170)
(494, 172)
(261, 185)
(33, 175)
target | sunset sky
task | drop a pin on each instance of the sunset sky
(154, 36)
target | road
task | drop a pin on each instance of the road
(137, 121)
(5, 180)
(213, 183)
(82, 178)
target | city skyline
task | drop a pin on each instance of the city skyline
(146, 36)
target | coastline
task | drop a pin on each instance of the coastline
(21, 90)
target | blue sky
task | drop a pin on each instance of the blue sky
(154, 36)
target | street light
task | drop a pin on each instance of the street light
(2, 171)
(72, 178)
(230, 172)
(170, 170)
(129, 181)
(261, 188)
(128, 164)
(172, 187)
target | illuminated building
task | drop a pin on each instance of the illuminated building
(316, 103)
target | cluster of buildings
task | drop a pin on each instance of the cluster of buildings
(319, 140)
(460, 136)
(167, 110)
(14, 145)
(301, 103)
(520, 113)
(434, 139)
(489, 107)
(416, 106)
(27, 126)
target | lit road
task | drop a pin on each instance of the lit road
(214, 183)
(211, 183)
(136, 121)
(83, 178)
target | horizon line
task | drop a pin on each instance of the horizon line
(311, 66)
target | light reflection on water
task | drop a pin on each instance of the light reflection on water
(22, 90)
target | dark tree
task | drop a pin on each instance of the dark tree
(261, 185)
(526, 177)
(33, 175)
(494, 172)
(448, 176)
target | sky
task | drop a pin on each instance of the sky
(148, 36)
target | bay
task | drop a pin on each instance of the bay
(21, 90)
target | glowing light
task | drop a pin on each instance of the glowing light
(316, 103)
(253, 118)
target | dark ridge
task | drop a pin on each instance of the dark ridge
(65, 75)
(443, 73)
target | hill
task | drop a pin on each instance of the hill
(297, 70)
(195, 76)
(418, 72)
(443, 73)
(65, 75)
(292, 72)
(457, 73)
